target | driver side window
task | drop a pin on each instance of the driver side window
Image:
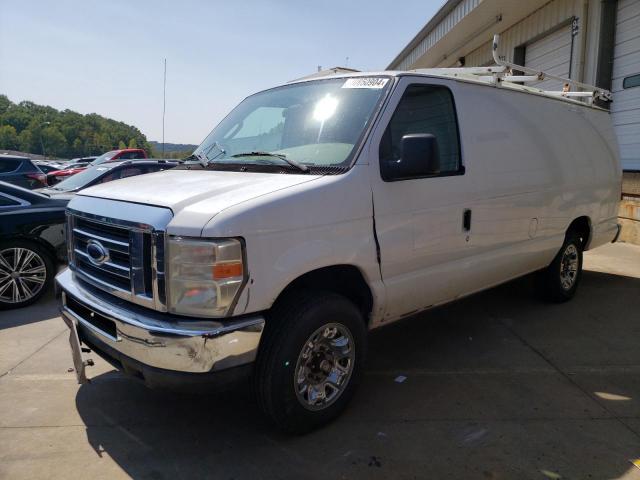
(426, 109)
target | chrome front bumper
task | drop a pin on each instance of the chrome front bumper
(156, 339)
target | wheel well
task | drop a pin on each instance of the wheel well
(345, 280)
(581, 226)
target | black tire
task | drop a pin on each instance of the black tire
(555, 284)
(47, 261)
(289, 327)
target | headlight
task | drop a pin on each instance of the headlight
(204, 276)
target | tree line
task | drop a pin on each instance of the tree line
(33, 128)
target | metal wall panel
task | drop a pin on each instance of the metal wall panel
(551, 54)
(625, 109)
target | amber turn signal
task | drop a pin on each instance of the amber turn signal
(227, 270)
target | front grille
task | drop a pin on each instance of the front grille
(132, 264)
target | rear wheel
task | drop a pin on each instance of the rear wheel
(26, 271)
(311, 360)
(559, 281)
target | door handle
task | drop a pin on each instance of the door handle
(466, 220)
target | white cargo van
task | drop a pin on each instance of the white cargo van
(323, 208)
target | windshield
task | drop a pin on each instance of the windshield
(316, 123)
(82, 179)
(105, 157)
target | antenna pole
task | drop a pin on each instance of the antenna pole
(164, 102)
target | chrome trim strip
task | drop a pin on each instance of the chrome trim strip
(102, 239)
(155, 274)
(138, 216)
(136, 261)
(112, 289)
(110, 264)
(69, 238)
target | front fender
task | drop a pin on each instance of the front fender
(275, 260)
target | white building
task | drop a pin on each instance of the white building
(593, 41)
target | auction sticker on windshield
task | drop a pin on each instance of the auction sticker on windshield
(365, 82)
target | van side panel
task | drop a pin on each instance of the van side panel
(540, 164)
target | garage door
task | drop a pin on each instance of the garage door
(551, 54)
(625, 86)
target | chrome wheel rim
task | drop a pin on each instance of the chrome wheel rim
(22, 274)
(569, 267)
(324, 366)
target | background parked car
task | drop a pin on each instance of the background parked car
(66, 172)
(106, 172)
(47, 167)
(122, 154)
(32, 243)
(82, 159)
(21, 171)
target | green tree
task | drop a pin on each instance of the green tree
(121, 145)
(9, 138)
(78, 148)
(26, 142)
(54, 142)
(64, 133)
(17, 118)
(5, 103)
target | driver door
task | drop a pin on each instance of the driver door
(424, 225)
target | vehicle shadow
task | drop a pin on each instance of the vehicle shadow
(450, 418)
(44, 309)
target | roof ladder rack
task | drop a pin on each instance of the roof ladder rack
(503, 73)
(588, 91)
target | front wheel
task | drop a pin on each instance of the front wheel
(310, 361)
(559, 281)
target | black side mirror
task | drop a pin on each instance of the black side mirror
(419, 157)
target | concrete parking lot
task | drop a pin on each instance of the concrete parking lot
(498, 385)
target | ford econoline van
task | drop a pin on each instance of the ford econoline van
(324, 208)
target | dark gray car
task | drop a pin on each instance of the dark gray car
(22, 172)
(106, 172)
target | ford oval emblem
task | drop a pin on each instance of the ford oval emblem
(96, 252)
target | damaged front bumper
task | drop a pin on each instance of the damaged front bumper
(153, 345)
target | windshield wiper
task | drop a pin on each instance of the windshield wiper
(281, 156)
(203, 158)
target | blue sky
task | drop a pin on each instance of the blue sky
(107, 56)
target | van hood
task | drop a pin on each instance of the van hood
(195, 196)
